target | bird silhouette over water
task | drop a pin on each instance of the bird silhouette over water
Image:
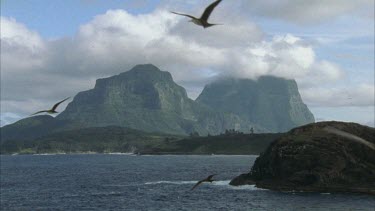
(203, 20)
(52, 110)
(208, 179)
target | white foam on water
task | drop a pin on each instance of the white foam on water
(242, 187)
(171, 182)
(247, 187)
(122, 153)
(223, 183)
(49, 154)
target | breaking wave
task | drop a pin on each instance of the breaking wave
(171, 182)
(223, 183)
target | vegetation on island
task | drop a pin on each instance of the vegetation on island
(113, 139)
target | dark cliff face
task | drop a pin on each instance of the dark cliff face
(142, 98)
(310, 158)
(271, 103)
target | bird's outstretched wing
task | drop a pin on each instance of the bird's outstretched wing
(57, 104)
(210, 177)
(198, 183)
(38, 113)
(183, 14)
(207, 12)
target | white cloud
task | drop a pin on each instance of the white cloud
(359, 96)
(285, 56)
(321, 73)
(50, 70)
(7, 118)
(17, 34)
(20, 47)
(312, 11)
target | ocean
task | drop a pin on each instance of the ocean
(128, 182)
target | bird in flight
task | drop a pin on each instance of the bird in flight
(203, 20)
(208, 179)
(349, 136)
(52, 110)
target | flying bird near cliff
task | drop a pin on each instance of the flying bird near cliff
(52, 110)
(208, 179)
(203, 20)
(349, 136)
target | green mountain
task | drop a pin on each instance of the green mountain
(272, 103)
(33, 127)
(147, 99)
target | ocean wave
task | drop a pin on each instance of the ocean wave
(242, 187)
(122, 153)
(224, 183)
(49, 154)
(247, 187)
(217, 183)
(171, 182)
(120, 185)
(221, 182)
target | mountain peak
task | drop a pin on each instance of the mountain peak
(273, 103)
(145, 67)
(144, 98)
(147, 72)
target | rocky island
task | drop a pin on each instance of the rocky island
(313, 159)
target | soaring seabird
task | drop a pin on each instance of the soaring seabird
(203, 20)
(52, 110)
(208, 179)
(349, 136)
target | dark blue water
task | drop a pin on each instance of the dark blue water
(123, 182)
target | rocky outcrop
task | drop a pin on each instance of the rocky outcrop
(316, 158)
(270, 102)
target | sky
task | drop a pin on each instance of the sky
(53, 50)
